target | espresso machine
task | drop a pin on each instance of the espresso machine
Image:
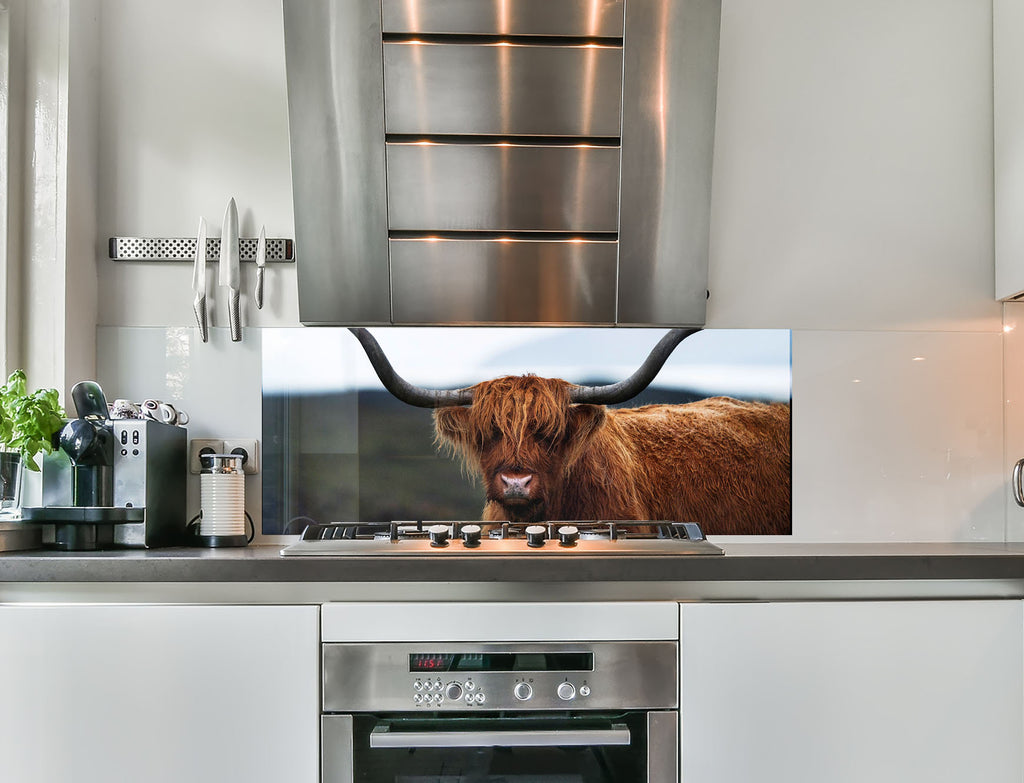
(112, 482)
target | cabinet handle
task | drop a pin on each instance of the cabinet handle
(1018, 489)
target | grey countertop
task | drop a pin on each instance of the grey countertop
(747, 562)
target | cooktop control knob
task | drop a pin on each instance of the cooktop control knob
(438, 535)
(522, 691)
(471, 535)
(535, 535)
(568, 535)
(453, 691)
(566, 691)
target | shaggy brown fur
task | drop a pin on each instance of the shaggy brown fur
(720, 462)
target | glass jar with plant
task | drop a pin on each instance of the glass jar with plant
(28, 423)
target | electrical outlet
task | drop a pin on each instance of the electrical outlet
(250, 449)
(199, 446)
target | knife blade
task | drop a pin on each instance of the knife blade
(229, 274)
(199, 282)
(261, 262)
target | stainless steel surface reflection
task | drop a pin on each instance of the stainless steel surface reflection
(521, 119)
(511, 281)
(502, 187)
(625, 675)
(455, 88)
(563, 539)
(336, 113)
(584, 711)
(669, 95)
(595, 18)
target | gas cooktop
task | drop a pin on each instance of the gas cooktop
(457, 539)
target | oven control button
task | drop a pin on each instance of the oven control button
(470, 685)
(453, 691)
(522, 691)
(584, 690)
(438, 535)
(417, 686)
(438, 698)
(479, 697)
(535, 535)
(566, 691)
(417, 699)
(469, 698)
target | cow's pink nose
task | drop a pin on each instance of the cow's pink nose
(516, 485)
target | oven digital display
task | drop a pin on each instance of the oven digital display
(502, 662)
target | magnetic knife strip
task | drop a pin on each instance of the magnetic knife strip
(279, 251)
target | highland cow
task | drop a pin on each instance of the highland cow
(719, 462)
(545, 451)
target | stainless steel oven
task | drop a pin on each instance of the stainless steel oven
(517, 712)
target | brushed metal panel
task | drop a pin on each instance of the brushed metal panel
(597, 18)
(375, 677)
(336, 749)
(502, 187)
(502, 89)
(670, 78)
(662, 747)
(456, 281)
(336, 122)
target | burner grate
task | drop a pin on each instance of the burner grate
(602, 538)
(588, 530)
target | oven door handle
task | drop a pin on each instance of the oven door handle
(382, 737)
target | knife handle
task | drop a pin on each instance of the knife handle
(234, 317)
(258, 294)
(199, 306)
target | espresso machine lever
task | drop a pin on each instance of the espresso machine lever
(90, 401)
(89, 443)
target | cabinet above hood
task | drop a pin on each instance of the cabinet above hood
(502, 161)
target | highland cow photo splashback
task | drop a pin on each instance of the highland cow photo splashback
(528, 425)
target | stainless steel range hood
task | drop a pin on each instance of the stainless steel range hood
(502, 161)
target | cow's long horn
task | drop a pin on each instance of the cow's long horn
(401, 388)
(639, 380)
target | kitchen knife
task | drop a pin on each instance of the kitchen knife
(261, 262)
(199, 281)
(229, 275)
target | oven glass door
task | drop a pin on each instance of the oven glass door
(605, 748)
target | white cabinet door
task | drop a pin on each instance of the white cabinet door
(159, 694)
(852, 692)
(1008, 150)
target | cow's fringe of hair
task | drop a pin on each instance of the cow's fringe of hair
(520, 408)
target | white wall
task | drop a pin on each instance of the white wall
(852, 203)
(194, 112)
